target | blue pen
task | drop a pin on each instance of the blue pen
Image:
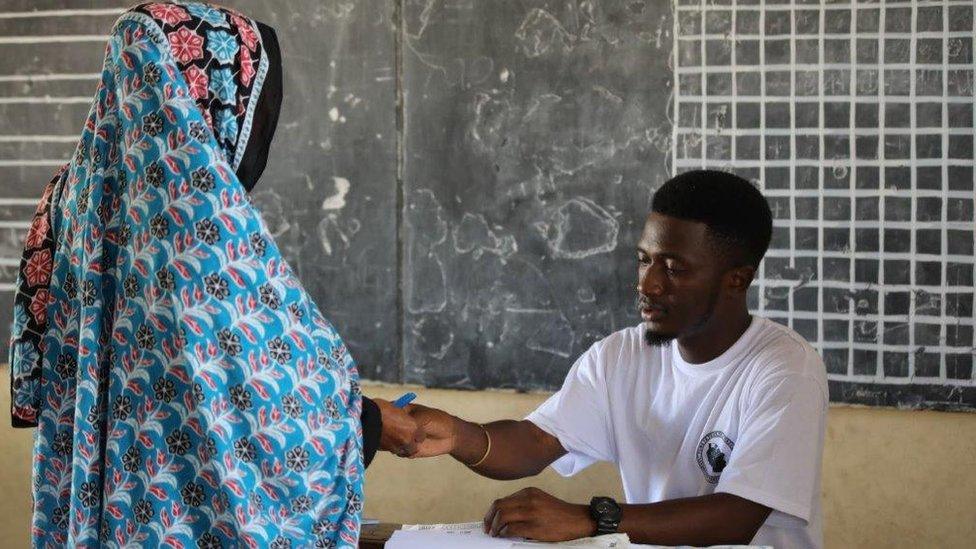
(404, 399)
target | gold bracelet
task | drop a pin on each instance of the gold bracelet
(487, 450)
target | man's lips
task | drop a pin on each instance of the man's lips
(651, 311)
(653, 315)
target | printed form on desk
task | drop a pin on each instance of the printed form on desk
(469, 535)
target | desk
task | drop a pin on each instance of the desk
(375, 536)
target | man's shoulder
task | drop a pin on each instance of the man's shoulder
(619, 350)
(781, 353)
(629, 339)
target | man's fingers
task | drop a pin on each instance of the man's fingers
(489, 516)
(496, 523)
(518, 515)
(504, 518)
(504, 511)
(496, 507)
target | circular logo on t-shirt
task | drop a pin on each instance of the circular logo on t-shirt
(714, 452)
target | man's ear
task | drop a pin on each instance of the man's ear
(738, 279)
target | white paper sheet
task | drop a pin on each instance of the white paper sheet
(469, 535)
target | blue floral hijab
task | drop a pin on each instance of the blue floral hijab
(185, 388)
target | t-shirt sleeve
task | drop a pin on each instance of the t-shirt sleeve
(578, 416)
(776, 461)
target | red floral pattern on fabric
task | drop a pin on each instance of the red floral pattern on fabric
(198, 81)
(247, 66)
(248, 36)
(186, 45)
(30, 306)
(38, 268)
(171, 14)
(38, 231)
(25, 413)
(38, 306)
(190, 39)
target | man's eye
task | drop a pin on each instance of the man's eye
(643, 260)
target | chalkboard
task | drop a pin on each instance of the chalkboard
(535, 133)
(856, 119)
(460, 183)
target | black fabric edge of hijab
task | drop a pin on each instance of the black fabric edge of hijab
(266, 111)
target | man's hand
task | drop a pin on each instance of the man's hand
(502, 450)
(401, 433)
(534, 514)
(440, 430)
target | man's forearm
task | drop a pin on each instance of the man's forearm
(715, 519)
(518, 448)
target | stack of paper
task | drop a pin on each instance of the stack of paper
(470, 535)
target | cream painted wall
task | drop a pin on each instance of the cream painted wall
(891, 478)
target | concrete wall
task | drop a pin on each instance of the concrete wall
(891, 478)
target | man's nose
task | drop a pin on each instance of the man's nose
(651, 281)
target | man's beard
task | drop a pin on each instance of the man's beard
(659, 339)
(652, 338)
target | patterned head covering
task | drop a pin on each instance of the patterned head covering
(185, 388)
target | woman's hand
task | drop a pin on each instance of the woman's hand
(401, 433)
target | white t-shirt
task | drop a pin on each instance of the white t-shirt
(749, 423)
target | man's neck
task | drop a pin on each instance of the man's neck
(717, 336)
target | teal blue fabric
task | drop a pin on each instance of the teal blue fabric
(187, 391)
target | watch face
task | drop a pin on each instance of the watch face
(606, 513)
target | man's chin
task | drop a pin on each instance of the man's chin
(656, 338)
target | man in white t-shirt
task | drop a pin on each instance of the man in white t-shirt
(714, 417)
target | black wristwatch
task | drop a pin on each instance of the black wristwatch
(606, 513)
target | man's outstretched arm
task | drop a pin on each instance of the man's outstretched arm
(518, 449)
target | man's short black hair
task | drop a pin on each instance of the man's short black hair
(734, 211)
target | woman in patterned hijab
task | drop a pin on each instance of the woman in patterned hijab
(185, 389)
